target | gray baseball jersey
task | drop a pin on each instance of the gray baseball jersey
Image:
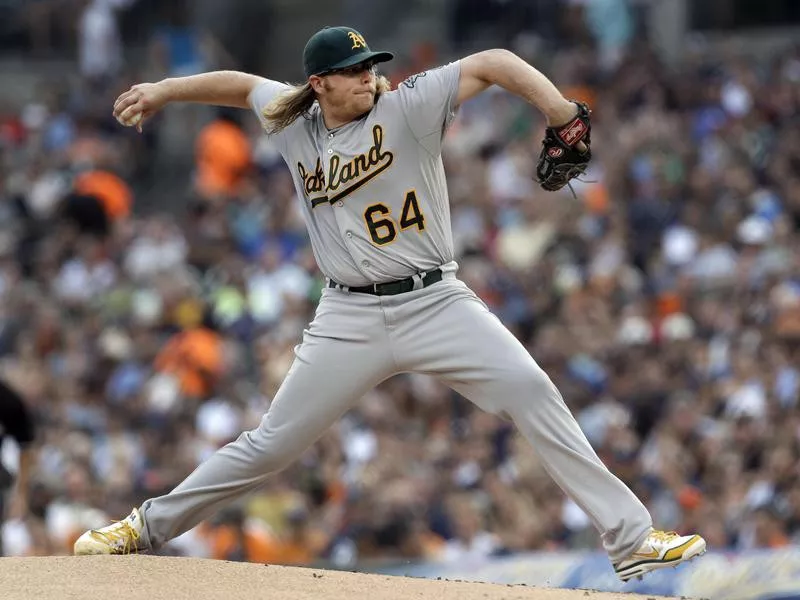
(373, 191)
(375, 201)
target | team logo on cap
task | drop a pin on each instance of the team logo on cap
(358, 41)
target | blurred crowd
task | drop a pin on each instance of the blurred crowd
(663, 299)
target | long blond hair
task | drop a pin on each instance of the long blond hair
(297, 101)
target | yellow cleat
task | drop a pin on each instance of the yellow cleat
(659, 550)
(122, 537)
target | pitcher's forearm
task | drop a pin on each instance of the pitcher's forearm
(219, 88)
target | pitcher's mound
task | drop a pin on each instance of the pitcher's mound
(163, 578)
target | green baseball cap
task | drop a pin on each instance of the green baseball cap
(334, 48)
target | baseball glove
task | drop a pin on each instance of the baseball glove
(560, 161)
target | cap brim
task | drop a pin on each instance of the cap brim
(377, 57)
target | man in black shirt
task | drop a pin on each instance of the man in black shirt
(16, 421)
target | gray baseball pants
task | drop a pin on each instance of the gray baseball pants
(354, 342)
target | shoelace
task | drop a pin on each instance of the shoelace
(123, 533)
(664, 536)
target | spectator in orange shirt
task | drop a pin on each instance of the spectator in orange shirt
(300, 544)
(233, 539)
(99, 199)
(194, 357)
(223, 156)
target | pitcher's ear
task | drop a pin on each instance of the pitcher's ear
(315, 81)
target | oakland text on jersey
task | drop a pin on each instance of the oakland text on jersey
(313, 183)
(343, 179)
(362, 168)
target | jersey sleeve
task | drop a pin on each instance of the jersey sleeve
(428, 100)
(263, 94)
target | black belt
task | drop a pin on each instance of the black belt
(391, 288)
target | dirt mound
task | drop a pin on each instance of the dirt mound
(157, 578)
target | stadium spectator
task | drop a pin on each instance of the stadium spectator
(17, 424)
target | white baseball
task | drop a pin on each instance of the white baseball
(133, 121)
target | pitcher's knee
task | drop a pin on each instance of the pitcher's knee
(526, 382)
(516, 390)
(524, 386)
(267, 451)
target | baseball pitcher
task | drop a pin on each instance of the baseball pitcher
(366, 162)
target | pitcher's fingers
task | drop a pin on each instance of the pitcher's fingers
(125, 100)
(145, 116)
(130, 112)
(124, 103)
